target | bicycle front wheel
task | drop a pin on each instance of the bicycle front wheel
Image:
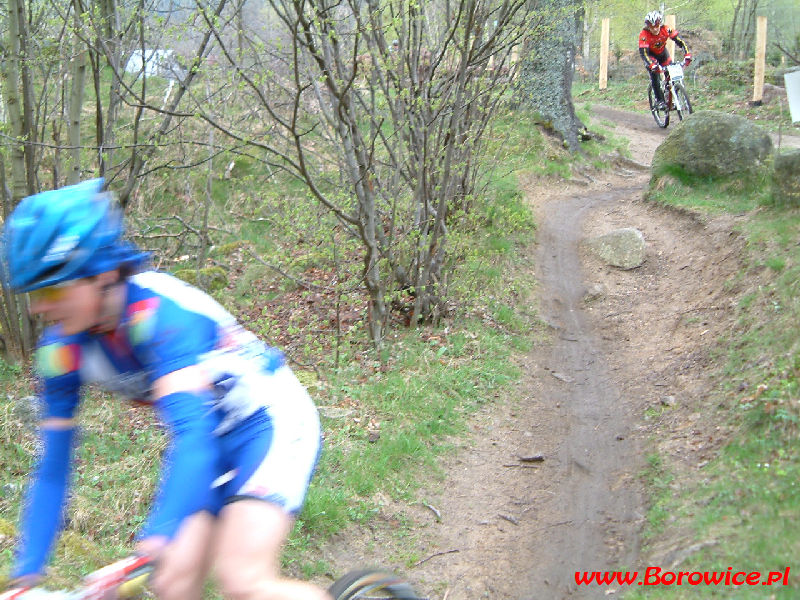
(369, 584)
(661, 115)
(683, 101)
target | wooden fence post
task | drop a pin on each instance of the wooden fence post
(761, 56)
(604, 54)
(669, 21)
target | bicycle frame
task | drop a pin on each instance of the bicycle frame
(673, 75)
(125, 578)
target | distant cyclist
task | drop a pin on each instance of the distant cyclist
(653, 50)
(244, 434)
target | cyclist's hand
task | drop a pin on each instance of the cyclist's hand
(152, 546)
(654, 67)
(687, 58)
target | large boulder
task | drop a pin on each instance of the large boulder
(713, 144)
(786, 178)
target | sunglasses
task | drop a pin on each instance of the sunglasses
(51, 293)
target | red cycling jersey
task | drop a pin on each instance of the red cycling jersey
(656, 43)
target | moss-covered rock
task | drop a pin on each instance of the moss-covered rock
(713, 144)
(229, 248)
(209, 278)
(786, 179)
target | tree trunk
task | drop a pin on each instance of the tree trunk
(77, 94)
(545, 79)
(17, 325)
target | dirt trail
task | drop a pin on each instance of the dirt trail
(619, 344)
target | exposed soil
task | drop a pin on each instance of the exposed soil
(549, 483)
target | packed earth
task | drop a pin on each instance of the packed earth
(549, 483)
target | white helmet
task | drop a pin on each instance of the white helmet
(653, 18)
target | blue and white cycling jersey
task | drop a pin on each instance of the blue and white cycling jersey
(167, 325)
(254, 434)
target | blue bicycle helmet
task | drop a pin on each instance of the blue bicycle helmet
(64, 234)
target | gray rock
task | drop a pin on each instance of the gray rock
(786, 179)
(623, 248)
(711, 144)
(772, 93)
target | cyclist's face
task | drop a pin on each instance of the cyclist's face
(654, 28)
(75, 305)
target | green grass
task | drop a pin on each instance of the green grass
(739, 194)
(747, 498)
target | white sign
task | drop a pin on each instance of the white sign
(792, 81)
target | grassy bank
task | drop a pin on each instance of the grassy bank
(742, 508)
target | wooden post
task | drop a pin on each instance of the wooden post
(669, 21)
(512, 66)
(761, 55)
(604, 54)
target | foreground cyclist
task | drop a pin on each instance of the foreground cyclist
(653, 51)
(245, 435)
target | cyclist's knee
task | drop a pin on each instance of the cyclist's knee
(177, 584)
(241, 582)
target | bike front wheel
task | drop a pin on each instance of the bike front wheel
(683, 101)
(369, 584)
(661, 115)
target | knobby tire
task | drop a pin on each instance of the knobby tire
(371, 584)
(680, 91)
(661, 116)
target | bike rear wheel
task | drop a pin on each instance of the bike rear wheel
(683, 100)
(369, 584)
(661, 116)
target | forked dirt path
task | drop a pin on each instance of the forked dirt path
(549, 484)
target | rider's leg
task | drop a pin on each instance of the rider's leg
(249, 538)
(655, 78)
(184, 563)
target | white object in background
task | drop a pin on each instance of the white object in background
(792, 81)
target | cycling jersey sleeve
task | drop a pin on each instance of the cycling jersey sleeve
(644, 57)
(644, 40)
(43, 514)
(190, 465)
(57, 363)
(680, 43)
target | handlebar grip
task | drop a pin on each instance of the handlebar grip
(133, 587)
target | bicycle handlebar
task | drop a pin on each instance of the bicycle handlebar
(125, 578)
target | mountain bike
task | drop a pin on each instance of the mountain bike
(127, 579)
(674, 94)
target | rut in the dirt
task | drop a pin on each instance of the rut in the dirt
(601, 509)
